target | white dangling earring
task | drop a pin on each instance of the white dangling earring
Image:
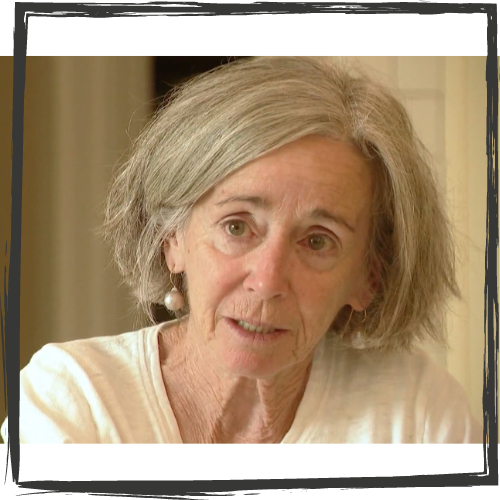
(174, 299)
(358, 338)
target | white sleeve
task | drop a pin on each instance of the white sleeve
(53, 406)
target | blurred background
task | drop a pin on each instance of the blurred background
(81, 114)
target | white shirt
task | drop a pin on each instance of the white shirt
(110, 390)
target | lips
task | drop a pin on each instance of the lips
(256, 326)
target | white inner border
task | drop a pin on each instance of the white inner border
(284, 34)
(211, 462)
(299, 34)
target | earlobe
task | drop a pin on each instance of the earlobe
(361, 302)
(364, 300)
(367, 290)
(174, 256)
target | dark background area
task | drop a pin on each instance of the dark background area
(172, 71)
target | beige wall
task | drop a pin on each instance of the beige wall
(466, 177)
(77, 112)
(80, 116)
(77, 123)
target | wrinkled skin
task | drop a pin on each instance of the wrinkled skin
(280, 243)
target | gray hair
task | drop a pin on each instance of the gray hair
(217, 122)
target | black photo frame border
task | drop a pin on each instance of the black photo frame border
(10, 337)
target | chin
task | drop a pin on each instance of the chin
(244, 354)
(250, 365)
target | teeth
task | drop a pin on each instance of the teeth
(256, 329)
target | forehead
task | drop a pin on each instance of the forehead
(309, 171)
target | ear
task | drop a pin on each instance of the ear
(367, 288)
(173, 250)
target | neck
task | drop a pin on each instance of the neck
(212, 406)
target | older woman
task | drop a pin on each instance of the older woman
(285, 212)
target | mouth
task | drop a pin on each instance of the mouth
(254, 330)
(257, 329)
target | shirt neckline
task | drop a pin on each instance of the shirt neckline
(307, 408)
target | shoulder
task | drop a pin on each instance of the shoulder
(66, 388)
(89, 365)
(76, 360)
(408, 390)
(414, 367)
(402, 367)
(93, 350)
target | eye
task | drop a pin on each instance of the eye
(320, 242)
(316, 242)
(235, 227)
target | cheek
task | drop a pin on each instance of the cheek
(211, 277)
(321, 298)
(322, 292)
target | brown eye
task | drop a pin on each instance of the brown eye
(236, 228)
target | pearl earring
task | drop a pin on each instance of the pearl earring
(173, 299)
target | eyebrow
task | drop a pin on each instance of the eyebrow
(254, 200)
(317, 213)
(320, 213)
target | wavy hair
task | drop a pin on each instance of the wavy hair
(217, 122)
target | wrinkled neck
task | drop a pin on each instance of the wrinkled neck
(213, 407)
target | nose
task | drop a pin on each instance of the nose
(269, 269)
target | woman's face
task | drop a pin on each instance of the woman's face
(273, 253)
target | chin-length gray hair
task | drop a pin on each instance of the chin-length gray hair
(219, 121)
